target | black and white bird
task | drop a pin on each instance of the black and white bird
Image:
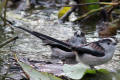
(68, 57)
(106, 45)
(92, 54)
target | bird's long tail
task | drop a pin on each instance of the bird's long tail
(59, 44)
(49, 40)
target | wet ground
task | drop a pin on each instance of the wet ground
(46, 22)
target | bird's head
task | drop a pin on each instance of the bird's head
(79, 37)
(108, 43)
(79, 34)
(106, 29)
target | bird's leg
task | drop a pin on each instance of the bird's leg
(92, 67)
(63, 60)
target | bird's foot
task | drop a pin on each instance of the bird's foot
(92, 67)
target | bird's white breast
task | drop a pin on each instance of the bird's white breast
(93, 60)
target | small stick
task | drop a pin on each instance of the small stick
(90, 12)
(93, 3)
(8, 41)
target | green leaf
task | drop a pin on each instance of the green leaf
(90, 7)
(90, 71)
(33, 74)
(103, 71)
(75, 71)
(63, 11)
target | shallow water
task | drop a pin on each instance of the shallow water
(46, 22)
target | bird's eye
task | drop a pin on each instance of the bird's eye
(108, 43)
(78, 35)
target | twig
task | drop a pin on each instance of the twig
(8, 41)
(5, 12)
(63, 18)
(94, 3)
(11, 23)
(90, 12)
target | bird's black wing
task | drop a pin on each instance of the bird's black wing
(81, 51)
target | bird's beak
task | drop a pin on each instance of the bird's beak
(115, 43)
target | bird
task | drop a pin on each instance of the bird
(68, 57)
(94, 53)
(91, 54)
(78, 39)
(106, 45)
(105, 28)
